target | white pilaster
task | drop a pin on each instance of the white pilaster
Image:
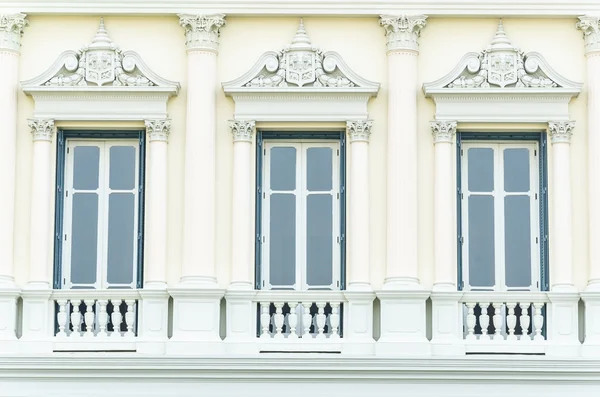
(11, 29)
(198, 267)
(446, 308)
(402, 201)
(37, 311)
(197, 299)
(358, 328)
(590, 26)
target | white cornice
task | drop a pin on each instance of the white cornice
(567, 8)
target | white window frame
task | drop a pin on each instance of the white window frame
(499, 194)
(301, 194)
(103, 192)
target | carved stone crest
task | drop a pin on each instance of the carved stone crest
(301, 67)
(99, 67)
(503, 69)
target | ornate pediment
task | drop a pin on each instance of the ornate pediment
(99, 64)
(95, 83)
(300, 65)
(301, 82)
(502, 83)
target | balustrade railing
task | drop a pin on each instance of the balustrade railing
(507, 317)
(300, 315)
(110, 314)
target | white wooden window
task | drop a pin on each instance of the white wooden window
(500, 216)
(100, 219)
(301, 216)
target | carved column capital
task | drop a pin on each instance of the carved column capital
(242, 130)
(11, 30)
(560, 131)
(359, 130)
(443, 131)
(402, 31)
(158, 130)
(590, 26)
(202, 31)
(41, 129)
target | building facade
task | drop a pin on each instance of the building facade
(358, 199)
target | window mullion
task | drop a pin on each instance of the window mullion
(103, 192)
(535, 200)
(335, 238)
(499, 219)
(301, 213)
(465, 218)
(266, 209)
(67, 218)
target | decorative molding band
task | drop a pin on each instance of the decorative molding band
(41, 129)
(359, 130)
(402, 31)
(242, 130)
(443, 131)
(560, 131)
(11, 30)
(590, 26)
(158, 130)
(202, 31)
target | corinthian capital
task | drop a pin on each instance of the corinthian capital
(560, 131)
(359, 130)
(202, 31)
(242, 130)
(11, 30)
(443, 131)
(590, 26)
(158, 130)
(403, 31)
(41, 129)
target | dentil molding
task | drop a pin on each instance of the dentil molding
(590, 26)
(41, 129)
(443, 131)
(242, 130)
(158, 130)
(300, 83)
(502, 84)
(561, 131)
(359, 130)
(202, 31)
(402, 31)
(100, 82)
(11, 30)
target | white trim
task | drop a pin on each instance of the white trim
(499, 195)
(566, 8)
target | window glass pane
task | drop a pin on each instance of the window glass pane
(481, 169)
(84, 238)
(516, 170)
(121, 238)
(481, 241)
(283, 168)
(517, 241)
(86, 163)
(319, 237)
(122, 167)
(282, 248)
(319, 169)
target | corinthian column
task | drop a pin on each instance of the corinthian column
(202, 40)
(11, 29)
(590, 26)
(402, 51)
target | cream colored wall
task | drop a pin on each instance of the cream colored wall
(361, 42)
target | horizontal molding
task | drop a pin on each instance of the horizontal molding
(565, 8)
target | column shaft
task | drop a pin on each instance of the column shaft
(156, 208)
(593, 86)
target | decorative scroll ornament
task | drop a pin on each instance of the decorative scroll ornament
(158, 130)
(503, 65)
(561, 131)
(301, 65)
(403, 31)
(202, 31)
(242, 130)
(590, 26)
(41, 129)
(443, 131)
(359, 130)
(100, 63)
(11, 30)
